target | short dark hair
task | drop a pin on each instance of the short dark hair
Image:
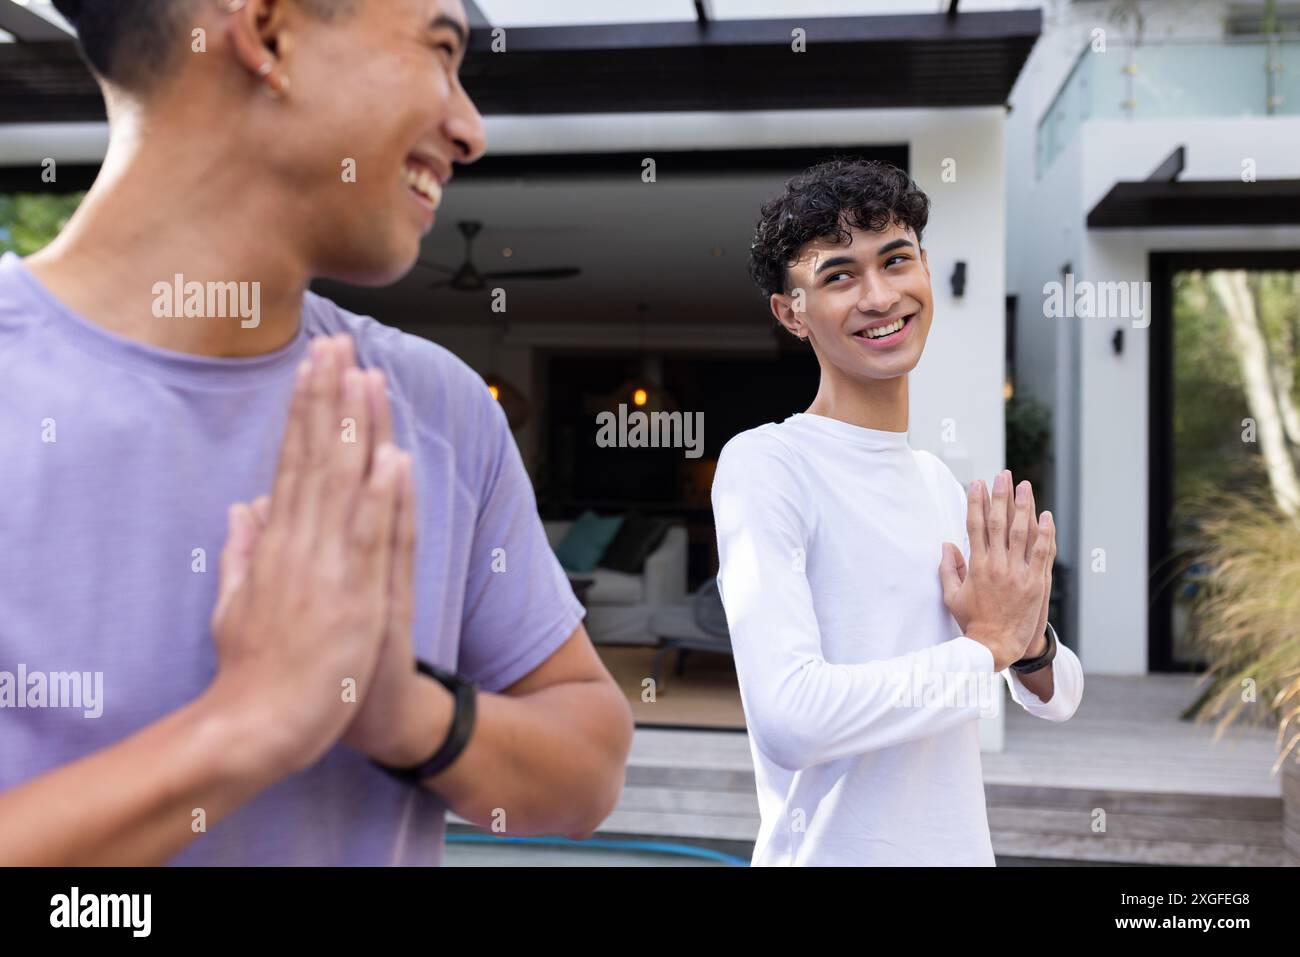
(132, 42)
(827, 201)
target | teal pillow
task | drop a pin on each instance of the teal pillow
(587, 540)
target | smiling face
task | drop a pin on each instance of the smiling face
(368, 131)
(865, 307)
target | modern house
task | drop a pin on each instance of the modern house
(631, 207)
(596, 257)
(1140, 152)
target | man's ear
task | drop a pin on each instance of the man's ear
(925, 261)
(783, 307)
(253, 27)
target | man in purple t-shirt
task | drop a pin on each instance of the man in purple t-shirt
(160, 362)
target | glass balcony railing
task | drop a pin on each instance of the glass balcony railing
(1257, 76)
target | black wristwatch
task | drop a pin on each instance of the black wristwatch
(462, 725)
(1027, 666)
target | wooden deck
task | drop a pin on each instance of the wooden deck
(1170, 792)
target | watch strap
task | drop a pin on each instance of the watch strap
(1027, 666)
(462, 726)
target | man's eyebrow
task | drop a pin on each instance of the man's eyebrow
(836, 261)
(890, 246)
(442, 20)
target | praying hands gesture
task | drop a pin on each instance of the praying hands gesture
(1001, 600)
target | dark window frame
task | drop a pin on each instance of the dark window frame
(1162, 266)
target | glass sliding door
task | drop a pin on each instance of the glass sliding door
(1225, 364)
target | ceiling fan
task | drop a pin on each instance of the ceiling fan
(467, 278)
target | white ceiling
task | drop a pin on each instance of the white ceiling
(636, 243)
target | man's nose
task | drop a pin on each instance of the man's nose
(878, 296)
(464, 127)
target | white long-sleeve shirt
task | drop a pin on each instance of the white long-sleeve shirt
(861, 695)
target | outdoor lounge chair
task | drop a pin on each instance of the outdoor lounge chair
(697, 624)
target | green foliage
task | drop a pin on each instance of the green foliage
(1029, 440)
(1247, 613)
(1269, 25)
(29, 221)
(1125, 12)
(1245, 550)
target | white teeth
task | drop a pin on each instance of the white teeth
(884, 330)
(424, 183)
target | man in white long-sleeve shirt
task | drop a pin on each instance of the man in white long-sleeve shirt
(867, 642)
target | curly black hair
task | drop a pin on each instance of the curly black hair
(825, 202)
(132, 42)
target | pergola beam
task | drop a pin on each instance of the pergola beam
(27, 26)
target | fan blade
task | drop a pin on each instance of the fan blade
(561, 272)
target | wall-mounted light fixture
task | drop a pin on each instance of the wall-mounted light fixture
(958, 279)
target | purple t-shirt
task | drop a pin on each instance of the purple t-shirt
(118, 462)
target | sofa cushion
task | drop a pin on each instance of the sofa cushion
(587, 540)
(637, 537)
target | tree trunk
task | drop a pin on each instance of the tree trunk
(1252, 358)
(1285, 386)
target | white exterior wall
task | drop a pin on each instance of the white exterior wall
(1046, 365)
